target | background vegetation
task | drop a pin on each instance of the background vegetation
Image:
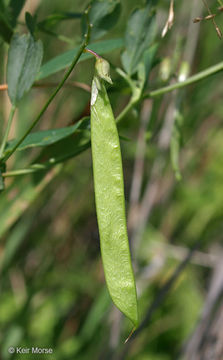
(53, 292)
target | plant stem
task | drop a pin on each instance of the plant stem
(9, 123)
(128, 107)
(197, 77)
(136, 94)
(193, 79)
(126, 77)
(81, 49)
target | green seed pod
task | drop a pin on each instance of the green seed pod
(109, 196)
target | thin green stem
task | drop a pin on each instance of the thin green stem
(9, 123)
(126, 77)
(42, 111)
(193, 79)
(136, 94)
(123, 113)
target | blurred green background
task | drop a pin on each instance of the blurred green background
(53, 292)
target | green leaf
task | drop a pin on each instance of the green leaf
(6, 31)
(143, 70)
(54, 19)
(69, 146)
(8, 17)
(103, 15)
(15, 7)
(139, 35)
(57, 157)
(62, 61)
(59, 152)
(24, 60)
(47, 137)
(148, 59)
(30, 22)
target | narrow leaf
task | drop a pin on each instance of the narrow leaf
(60, 157)
(139, 39)
(24, 60)
(148, 59)
(6, 31)
(62, 61)
(54, 19)
(30, 22)
(103, 15)
(47, 137)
